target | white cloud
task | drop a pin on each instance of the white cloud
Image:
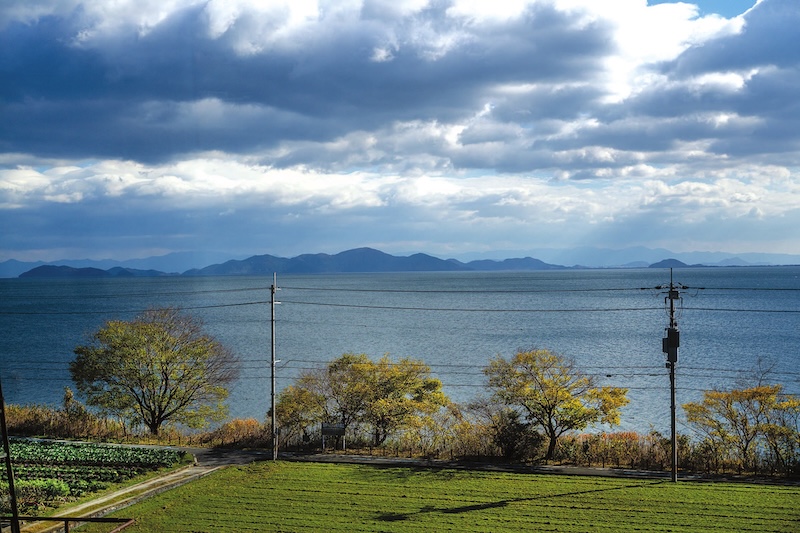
(29, 11)
(403, 120)
(479, 11)
(645, 35)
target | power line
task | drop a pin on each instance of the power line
(730, 310)
(129, 311)
(461, 291)
(777, 289)
(598, 370)
(437, 368)
(153, 293)
(473, 310)
(446, 385)
(402, 308)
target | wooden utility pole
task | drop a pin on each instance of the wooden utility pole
(9, 471)
(670, 345)
(273, 289)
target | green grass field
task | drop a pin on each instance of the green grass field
(288, 496)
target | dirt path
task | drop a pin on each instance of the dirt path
(207, 461)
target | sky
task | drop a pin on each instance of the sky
(135, 128)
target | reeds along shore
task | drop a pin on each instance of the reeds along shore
(454, 438)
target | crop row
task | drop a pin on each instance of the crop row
(79, 481)
(28, 451)
(68, 473)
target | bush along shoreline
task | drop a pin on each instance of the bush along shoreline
(460, 434)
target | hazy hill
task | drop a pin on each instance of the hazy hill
(595, 257)
(672, 263)
(173, 263)
(13, 268)
(358, 260)
(63, 272)
(215, 263)
(525, 263)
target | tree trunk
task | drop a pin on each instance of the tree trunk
(551, 448)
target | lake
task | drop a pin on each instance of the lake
(610, 321)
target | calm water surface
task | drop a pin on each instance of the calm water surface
(610, 321)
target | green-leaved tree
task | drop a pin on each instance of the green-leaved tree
(158, 368)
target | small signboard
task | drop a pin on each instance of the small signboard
(332, 430)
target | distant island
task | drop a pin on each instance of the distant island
(61, 271)
(673, 263)
(359, 260)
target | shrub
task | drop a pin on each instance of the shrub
(241, 432)
(33, 420)
(516, 439)
(37, 494)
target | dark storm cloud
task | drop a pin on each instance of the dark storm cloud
(548, 101)
(765, 55)
(149, 131)
(769, 37)
(129, 94)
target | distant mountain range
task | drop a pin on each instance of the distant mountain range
(640, 256)
(357, 260)
(173, 263)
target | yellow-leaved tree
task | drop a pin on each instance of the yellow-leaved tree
(352, 390)
(402, 393)
(742, 422)
(553, 393)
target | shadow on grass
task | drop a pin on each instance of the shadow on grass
(407, 473)
(398, 517)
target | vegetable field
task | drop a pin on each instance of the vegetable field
(48, 471)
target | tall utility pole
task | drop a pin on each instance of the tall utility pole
(9, 472)
(273, 289)
(670, 345)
